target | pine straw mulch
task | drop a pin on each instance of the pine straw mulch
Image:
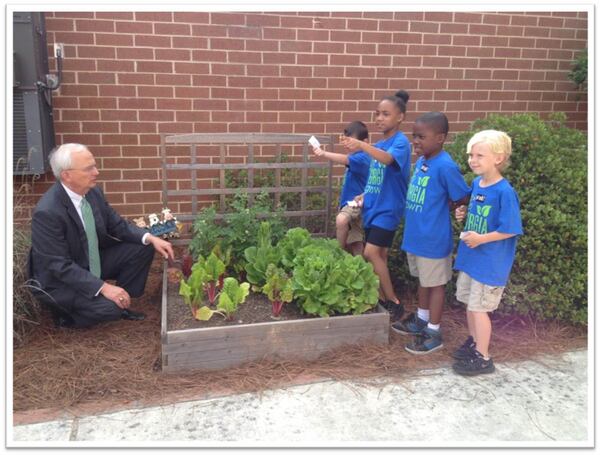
(117, 365)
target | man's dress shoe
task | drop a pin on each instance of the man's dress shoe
(132, 315)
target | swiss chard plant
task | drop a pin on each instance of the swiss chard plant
(278, 288)
(211, 270)
(261, 256)
(232, 296)
(192, 290)
(290, 244)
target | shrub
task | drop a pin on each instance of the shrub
(549, 172)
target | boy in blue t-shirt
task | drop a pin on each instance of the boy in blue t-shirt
(427, 236)
(348, 222)
(487, 247)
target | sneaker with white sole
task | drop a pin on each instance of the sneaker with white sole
(428, 340)
(410, 326)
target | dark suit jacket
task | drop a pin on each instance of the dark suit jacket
(59, 252)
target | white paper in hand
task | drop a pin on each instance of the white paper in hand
(314, 142)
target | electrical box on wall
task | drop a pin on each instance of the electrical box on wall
(33, 123)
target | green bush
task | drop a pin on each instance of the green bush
(549, 172)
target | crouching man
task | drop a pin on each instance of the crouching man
(79, 241)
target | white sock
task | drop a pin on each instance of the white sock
(423, 314)
(435, 327)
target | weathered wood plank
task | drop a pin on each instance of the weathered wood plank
(242, 138)
(234, 166)
(275, 328)
(267, 189)
(293, 340)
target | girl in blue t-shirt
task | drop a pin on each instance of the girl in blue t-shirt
(487, 247)
(385, 192)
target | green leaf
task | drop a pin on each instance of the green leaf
(485, 210)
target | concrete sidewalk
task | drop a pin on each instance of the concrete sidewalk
(543, 402)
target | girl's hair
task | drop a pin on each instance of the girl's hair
(400, 98)
(60, 157)
(436, 121)
(357, 129)
(499, 142)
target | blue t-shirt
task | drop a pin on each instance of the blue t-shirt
(355, 179)
(385, 192)
(427, 224)
(492, 209)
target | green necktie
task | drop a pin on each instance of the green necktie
(92, 237)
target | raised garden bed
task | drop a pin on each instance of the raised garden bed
(293, 336)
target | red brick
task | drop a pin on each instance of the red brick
(119, 139)
(407, 38)
(130, 78)
(153, 16)
(269, 82)
(208, 104)
(462, 85)
(498, 19)
(209, 56)
(296, 22)
(436, 39)
(117, 90)
(459, 51)
(424, 27)
(155, 67)
(135, 53)
(209, 31)
(433, 84)
(94, 26)
(66, 25)
(345, 36)
(411, 16)
(172, 29)
(478, 74)
(573, 44)
(470, 18)
(95, 51)
(294, 94)
(172, 54)
(523, 20)
(393, 26)
(376, 60)
(116, 65)
(311, 106)
(277, 105)
(136, 103)
(422, 50)
(515, 85)
(521, 42)
(244, 32)
(74, 15)
(362, 24)
(262, 45)
(440, 62)
(358, 71)
(261, 19)
(279, 57)
(361, 49)
(478, 29)
(244, 57)
(261, 93)
(134, 27)
(342, 83)
(262, 70)
(191, 68)
(560, 54)
(120, 114)
(313, 35)
(227, 93)
(152, 41)
(393, 49)
(154, 92)
(78, 90)
(454, 28)
(97, 103)
(297, 71)
(173, 79)
(138, 127)
(279, 33)
(191, 17)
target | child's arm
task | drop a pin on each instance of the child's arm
(472, 239)
(339, 158)
(354, 145)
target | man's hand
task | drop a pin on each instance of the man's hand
(162, 246)
(118, 295)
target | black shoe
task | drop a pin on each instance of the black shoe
(474, 366)
(132, 315)
(64, 322)
(425, 342)
(396, 310)
(466, 350)
(383, 303)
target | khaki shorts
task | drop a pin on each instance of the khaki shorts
(354, 215)
(431, 272)
(477, 296)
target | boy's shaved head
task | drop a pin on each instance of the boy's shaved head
(437, 121)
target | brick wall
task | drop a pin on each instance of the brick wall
(130, 76)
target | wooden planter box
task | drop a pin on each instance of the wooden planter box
(214, 348)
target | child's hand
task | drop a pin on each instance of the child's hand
(472, 239)
(318, 151)
(460, 212)
(350, 144)
(359, 200)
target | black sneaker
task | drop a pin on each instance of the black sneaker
(396, 310)
(474, 366)
(410, 326)
(466, 350)
(383, 303)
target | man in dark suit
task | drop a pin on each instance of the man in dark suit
(79, 241)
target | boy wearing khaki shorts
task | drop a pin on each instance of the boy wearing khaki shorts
(427, 237)
(348, 222)
(487, 246)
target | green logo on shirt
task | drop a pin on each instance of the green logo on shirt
(478, 222)
(375, 178)
(415, 198)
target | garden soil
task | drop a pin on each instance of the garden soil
(117, 365)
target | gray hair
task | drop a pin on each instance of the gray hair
(60, 158)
